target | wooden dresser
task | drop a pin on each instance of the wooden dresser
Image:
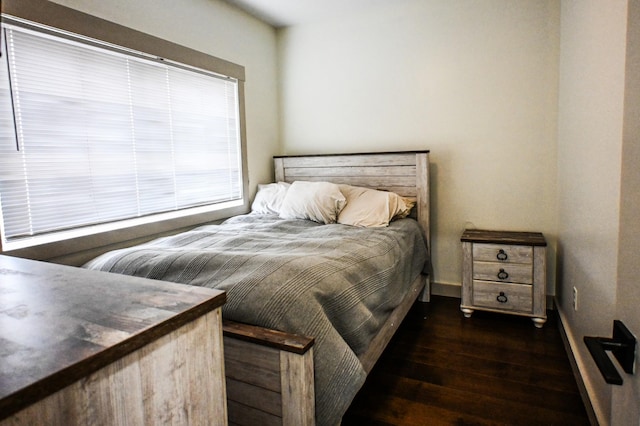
(504, 272)
(88, 347)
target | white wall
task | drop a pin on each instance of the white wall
(474, 82)
(592, 76)
(626, 399)
(215, 28)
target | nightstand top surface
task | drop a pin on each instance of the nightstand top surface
(503, 237)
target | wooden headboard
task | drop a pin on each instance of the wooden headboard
(405, 173)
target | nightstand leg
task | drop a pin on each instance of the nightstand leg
(467, 312)
(538, 322)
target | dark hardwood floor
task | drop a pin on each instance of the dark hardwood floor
(490, 369)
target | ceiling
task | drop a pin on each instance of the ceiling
(284, 13)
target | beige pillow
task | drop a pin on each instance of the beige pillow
(317, 201)
(403, 208)
(372, 208)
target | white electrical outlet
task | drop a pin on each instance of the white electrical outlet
(575, 299)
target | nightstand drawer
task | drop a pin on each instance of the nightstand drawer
(503, 272)
(510, 297)
(503, 253)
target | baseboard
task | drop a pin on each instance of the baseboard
(584, 393)
(446, 289)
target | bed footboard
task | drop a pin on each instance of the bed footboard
(269, 376)
(270, 373)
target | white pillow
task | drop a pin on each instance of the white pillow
(269, 198)
(317, 201)
(372, 208)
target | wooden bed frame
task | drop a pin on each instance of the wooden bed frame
(270, 373)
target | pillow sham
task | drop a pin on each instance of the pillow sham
(269, 198)
(368, 207)
(317, 201)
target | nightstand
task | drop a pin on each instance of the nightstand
(504, 271)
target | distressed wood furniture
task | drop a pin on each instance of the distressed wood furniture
(504, 272)
(88, 347)
(270, 374)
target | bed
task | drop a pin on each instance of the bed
(310, 306)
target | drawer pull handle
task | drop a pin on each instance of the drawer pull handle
(502, 274)
(502, 255)
(502, 298)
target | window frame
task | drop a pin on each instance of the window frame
(62, 18)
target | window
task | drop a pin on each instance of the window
(94, 136)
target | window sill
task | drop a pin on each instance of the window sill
(77, 249)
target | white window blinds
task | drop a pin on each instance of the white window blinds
(93, 135)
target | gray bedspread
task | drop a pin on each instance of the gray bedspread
(336, 283)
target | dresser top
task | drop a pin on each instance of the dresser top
(503, 237)
(61, 323)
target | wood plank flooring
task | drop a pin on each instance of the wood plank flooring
(490, 369)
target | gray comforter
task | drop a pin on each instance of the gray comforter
(335, 283)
